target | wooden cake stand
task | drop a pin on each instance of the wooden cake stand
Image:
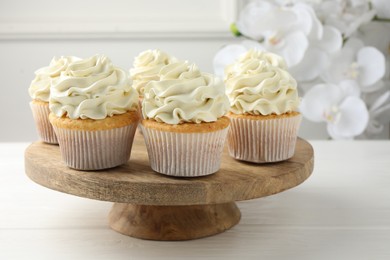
(149, 205)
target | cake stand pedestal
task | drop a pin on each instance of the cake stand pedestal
(153, 206)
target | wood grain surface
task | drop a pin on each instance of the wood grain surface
(171, 223)
(341, 212)
(136, 183)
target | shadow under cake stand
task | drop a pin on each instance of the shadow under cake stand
(153, 206)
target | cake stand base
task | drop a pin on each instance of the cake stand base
(171, 223)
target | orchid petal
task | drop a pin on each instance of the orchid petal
(354, 44)
(332, 40)
(260, 16)
(335, 135)
(356, 3)
(277, 20)
(304, 20)
(225, 56)
(350, 88)
(341, 61)
(353, 118)
(326, 8)
(345, 15)
(304, 86)
(249, 16)
(319, 99)
(314, 62)
(337, 23)
(382, 8)
(248, 44)
(362, 19)
(308, 21)
(371, 64)
(295, 48)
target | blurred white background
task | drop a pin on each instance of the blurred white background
(32, 32)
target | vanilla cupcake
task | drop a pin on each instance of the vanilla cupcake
(39, 91)
(94, 114)
(264, 102)
(184, 126)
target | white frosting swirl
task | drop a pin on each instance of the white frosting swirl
(40, 86)
(92, 88)
(147, 66)
(259, 84)
(251, 57)
(184, 94)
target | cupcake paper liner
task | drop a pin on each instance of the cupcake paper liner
(262, 141)
(141, 115)
(42, 123)
(140, 107)
(184, 154)
(96, 150)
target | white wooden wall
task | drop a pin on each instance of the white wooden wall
(32, 32)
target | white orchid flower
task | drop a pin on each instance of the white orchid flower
(382, 8)
(366, 65)
(339, 106)
(346, 15)
(282, 29)
(317, 56)
(292, 30)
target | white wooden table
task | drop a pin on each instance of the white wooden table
(341, 212)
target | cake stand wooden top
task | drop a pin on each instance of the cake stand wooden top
(136, 183)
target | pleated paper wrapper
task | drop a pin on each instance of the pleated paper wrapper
(140, 108)
(96, 150)
(262, 141)
(184, 154)
(139, 130)
(42, 123)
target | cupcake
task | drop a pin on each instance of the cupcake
(264, 104)
(146, 67)
(40, 92)
(184, 124)
(94, 114)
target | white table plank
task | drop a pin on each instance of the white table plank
(341, 212)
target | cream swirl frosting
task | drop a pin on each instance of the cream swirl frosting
(259, 84)
(92, 88)
(184, 94)
(40, 86)
(253, 56)
(147, 66)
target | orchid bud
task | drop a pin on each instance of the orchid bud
(234, 30)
